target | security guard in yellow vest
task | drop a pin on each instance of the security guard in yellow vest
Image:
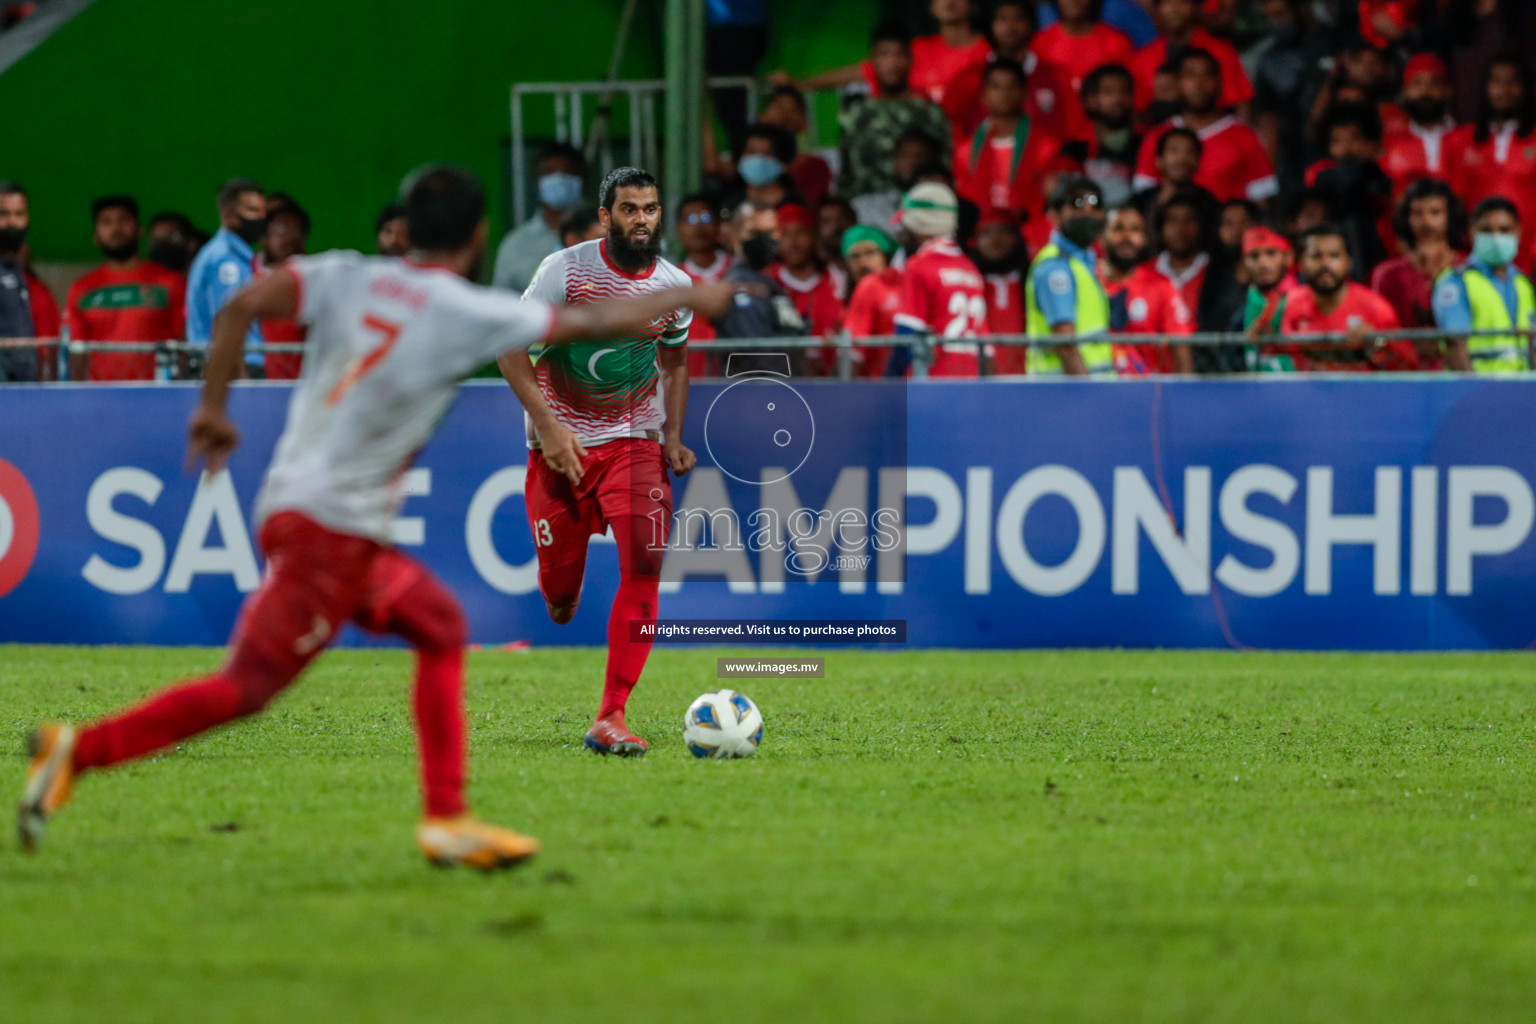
(1063, 295)
(1487, 292)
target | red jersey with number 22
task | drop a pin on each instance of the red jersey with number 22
(943, 293)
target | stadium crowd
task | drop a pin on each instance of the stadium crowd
(1075, 169)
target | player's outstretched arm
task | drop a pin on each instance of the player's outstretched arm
(210, 434)
(623, 316)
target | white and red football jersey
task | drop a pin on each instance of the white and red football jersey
(605, 388)
(388, 343)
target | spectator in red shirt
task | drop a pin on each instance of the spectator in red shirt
(287, 235)
(834, 216)
(391, 231)
(173, 241)
(800, 273)
(936, 60)
(1418, 149)
(1078, 43)
(1431, 223)
(126, 299)
(942, 293)
(1178, 29)
(1233, 163)
(1003, 260)
(705, 260)
(786, 109)
(1327, 302)
(1006, 160)
(1267, 261)
(1383, 22)
(1176, 159)
(1107, 153)
(1141, 300)
(1496, 156)
(876, 295)
(1182, 232)
(1045, 98)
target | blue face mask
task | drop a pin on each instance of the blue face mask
(1494, 249)
(559, 191)
(758, 170)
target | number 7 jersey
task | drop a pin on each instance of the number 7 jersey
(607, 388)
(388, 342)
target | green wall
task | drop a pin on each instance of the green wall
(330, 101)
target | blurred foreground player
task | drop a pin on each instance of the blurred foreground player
(389, 340)
(605, 423)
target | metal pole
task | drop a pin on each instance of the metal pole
(519, 159)
(684, 53)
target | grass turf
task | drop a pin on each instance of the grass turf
(928, 836)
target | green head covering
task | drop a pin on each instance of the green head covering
(864, 233)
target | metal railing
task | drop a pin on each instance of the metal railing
(177, 360)
(572, 114)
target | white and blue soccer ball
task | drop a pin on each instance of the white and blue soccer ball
(722, 724)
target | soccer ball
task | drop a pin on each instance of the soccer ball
(721, 724)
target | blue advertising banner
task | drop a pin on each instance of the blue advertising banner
(1378, 513)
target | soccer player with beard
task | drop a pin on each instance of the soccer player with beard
(1141, 301)
(605, 423)
(1327, 302)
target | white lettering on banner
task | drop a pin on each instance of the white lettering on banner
(978, 530)
(411, 531)
(807, 539)
(1382, 529)
(686, 557)
(1464, 537)
(1246, 525)
(1137, 508)
(119, 528)
(1423, 543)
(214, 502)
(891, 559)
(493, 569)
(1073, 572)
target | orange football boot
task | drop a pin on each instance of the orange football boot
(50, 781)
(466, 840)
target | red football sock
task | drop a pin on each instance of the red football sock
(636, 599)
(439, 705)
(164, 719)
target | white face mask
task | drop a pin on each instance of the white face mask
(559, 191)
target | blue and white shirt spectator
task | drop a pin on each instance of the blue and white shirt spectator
(226, 263)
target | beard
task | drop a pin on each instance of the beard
(1326, 284)
(1123, 261)
(119, 253)
(630, 253)
(1424, 110)
(1004, 264)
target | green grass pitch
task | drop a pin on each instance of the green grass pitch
(925, 837)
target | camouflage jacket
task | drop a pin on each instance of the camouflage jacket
(870, 129)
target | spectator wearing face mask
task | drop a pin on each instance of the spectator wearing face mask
(876, 295)
(759, 309)
(126, 299)
(1063, 294)
(766, 153)
(1141, 301)
(173, 241)
(561, 169)
(812, 175)
(226, 264)
(391, 231)
(1488, 292)
(1107, 154)
(1418, 149)
(287, 236)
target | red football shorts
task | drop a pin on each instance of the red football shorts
(623, 481)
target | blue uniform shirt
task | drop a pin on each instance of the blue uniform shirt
(1453, 310)
(1126, 15)
(221, 268)
(1056, 285)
